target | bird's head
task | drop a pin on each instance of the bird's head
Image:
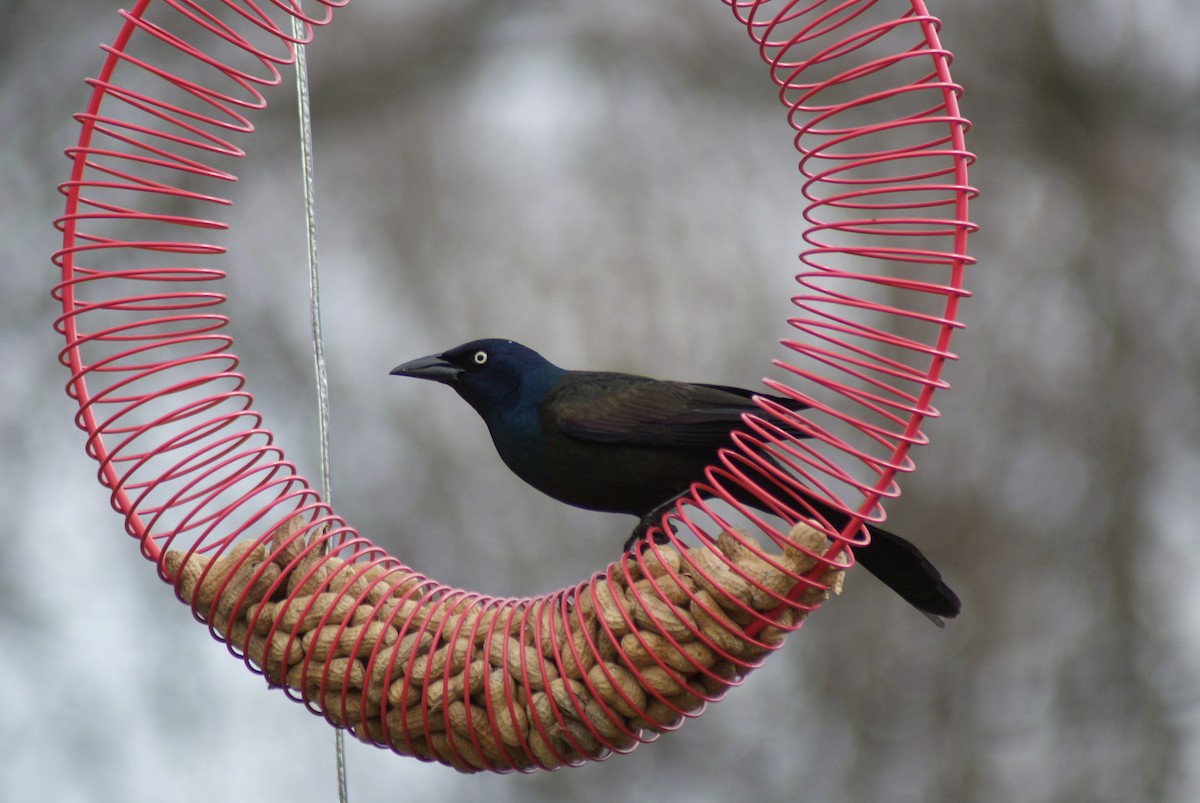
(489, 374)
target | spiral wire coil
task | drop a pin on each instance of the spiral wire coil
(404, 662)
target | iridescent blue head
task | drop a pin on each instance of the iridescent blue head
(491, 375)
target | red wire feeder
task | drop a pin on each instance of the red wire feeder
(407, 663)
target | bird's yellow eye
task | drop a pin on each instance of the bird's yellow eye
(480, 357)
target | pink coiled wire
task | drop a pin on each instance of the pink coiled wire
(193, 468)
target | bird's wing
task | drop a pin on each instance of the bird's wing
(619, 408)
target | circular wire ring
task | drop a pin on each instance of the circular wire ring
(474, 681)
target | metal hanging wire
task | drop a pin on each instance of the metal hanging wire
(308, 172)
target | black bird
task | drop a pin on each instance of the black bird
(620, 443)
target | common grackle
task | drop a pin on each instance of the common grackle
(620, 443)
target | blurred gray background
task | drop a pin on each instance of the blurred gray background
(616, 186)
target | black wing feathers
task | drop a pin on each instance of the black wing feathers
(616, 408)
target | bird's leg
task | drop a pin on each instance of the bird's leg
(639, 533)
(649, 520)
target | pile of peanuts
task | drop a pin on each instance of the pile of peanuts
(485, 684)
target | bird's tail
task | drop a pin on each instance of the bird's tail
(898, 564)
(894, 561)
(901, 567)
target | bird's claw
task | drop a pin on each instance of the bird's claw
(640, 534)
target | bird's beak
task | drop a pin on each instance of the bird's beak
(432, 367)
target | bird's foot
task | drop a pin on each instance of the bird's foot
(640, 534)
